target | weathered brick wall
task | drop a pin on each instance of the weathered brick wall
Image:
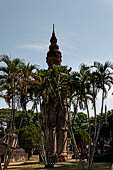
(19, 155)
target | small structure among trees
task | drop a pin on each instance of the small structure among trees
(18, 154)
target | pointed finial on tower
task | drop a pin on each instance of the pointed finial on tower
(53, 33)
(53, 38)
(54, 56)
(53, 28)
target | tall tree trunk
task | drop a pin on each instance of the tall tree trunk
(89, 147)
(9, 149)
(97, 134)
(91, 155)
(73, 138)
(43, 154)
(75, 145)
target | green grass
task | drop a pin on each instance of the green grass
(33, 164)
(60, 166)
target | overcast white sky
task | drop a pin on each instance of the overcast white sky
(84, 29)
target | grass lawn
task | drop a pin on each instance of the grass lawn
(33, 165)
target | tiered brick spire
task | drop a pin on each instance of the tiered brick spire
(55, 116)
(53, 55)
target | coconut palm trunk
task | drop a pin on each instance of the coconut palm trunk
(74, 141)
(96, 135)
(9, 149)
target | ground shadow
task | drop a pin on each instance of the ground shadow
(58, 166)
(66, 166)
(25, 163)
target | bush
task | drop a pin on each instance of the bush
(104, 157)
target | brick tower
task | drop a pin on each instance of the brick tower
(53, 116)
(53, 55)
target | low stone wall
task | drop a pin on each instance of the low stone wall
(19, 155)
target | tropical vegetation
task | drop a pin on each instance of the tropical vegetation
(21, 84)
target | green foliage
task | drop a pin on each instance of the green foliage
(82, 120)
(29, 138)
(81, 137)
(21, 83)
(29, 135)
(55, 83)
(5, 118)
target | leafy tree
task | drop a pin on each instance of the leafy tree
(82, 140)
(8, 84)
(30, 139)
(52, 92)
(5, 118)
(91, 81)
(58, 87)
(26, 78)
(81, 120)
(102, 82)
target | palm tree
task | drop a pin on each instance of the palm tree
(101, 80)
(52, 92)
(82, 95)
(27, 77)
(60, 89)
(95, 79)
(92, 80)
(88, 93)
(8, 83)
